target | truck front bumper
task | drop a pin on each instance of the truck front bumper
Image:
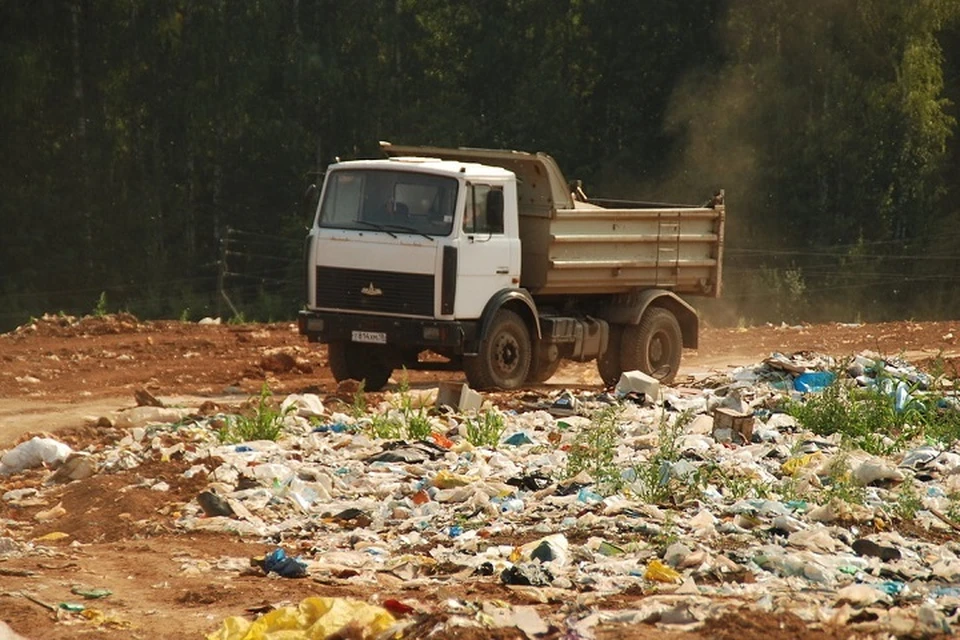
(327, 326)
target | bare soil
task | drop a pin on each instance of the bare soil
(60, 374)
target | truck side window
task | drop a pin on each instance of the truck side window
(475, 217)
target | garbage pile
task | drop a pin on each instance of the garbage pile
(830, 490)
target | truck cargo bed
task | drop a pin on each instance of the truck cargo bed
(594, 250)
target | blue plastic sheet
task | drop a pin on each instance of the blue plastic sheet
(813, 381)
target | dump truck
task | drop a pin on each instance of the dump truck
(488, 261)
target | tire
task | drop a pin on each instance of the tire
(504, 357)
(542, 370)
(654, 346)
(349, 360)
(608, 362)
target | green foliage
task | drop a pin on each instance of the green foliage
(908, 501)
(405, 421)
(100, 310)
(865, 417)
(594, 449)
(485, 429)
(386, 427)
(838, 485)
(869, 418)
(418, 424)
(264, 423)
(652, 480)
(953, 507)
(359, 407)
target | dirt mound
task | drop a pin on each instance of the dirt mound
(119, 506)
(64, 326)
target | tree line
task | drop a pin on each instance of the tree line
(156, 152)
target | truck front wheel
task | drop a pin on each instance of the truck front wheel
(653, 346)
(349, 360)
(503, 360)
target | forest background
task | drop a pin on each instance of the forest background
(155, 152)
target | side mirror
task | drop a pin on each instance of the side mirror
(495, 211)
(309, 204)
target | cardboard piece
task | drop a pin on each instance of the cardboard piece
(459, 396)
(732, 426)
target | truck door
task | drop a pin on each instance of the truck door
(485, 251)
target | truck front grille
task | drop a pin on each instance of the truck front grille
(375, 291)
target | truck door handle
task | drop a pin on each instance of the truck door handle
(503, 270)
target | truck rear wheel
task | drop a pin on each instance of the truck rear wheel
(608, 362)
(654, 346)
(503, 360)
(542, 370)
(349, 360)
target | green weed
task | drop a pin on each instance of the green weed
(953, 508)
(867, 418)
(653, 482)
(485, 429)
(386, 427)
(908, 501)
(265, 422)
(406, 422)
(594, 448)
(839, 484)
(100, 309)
(359, 407)
(418, 424)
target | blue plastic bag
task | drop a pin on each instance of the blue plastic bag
(813, 381)
(280, 563)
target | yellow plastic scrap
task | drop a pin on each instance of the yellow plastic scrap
(447, 480)
(659, 572)
(53, 536)
(312, 619)
(791, 466)
(101, 619)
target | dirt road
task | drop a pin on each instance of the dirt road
(58, 371)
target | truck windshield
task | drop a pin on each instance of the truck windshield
(392, 201)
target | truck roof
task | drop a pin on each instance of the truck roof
(433, 165)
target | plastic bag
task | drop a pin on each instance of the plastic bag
(313, 619)
(659, 572)
(33, 453)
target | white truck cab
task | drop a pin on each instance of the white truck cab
(448, 251)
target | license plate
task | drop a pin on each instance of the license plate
(372, 337)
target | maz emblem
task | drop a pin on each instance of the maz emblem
(371, 290)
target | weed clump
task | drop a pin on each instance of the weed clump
(594, 450)
(653, 482)
(882, 418)
(403, 422)
(485, 429)
(265, 422)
